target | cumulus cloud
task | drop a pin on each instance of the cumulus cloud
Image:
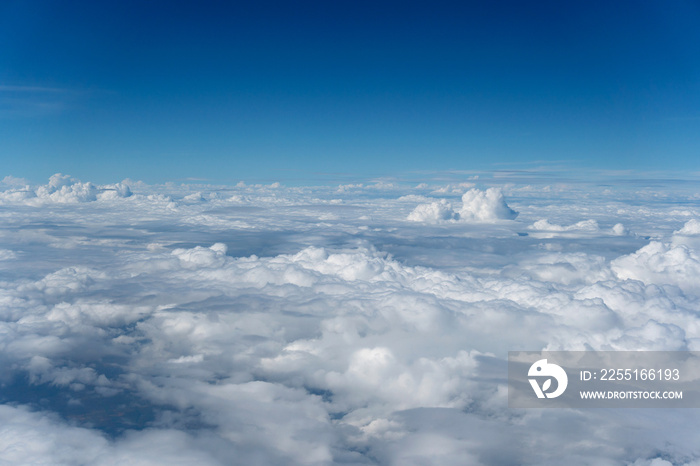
(485, 206)
(114, 191)
(477, 206)
(688, 235)
(619, 230)
(63, 189)
(691, 228)
(661, 263)
(433, 212)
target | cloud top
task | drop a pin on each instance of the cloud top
(63, 189)
(477, 206)
(433, 212)
(485, 206)
(691, 228)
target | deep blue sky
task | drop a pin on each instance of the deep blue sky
(230, 91)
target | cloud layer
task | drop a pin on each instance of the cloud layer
(270, 325)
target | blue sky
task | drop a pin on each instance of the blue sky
(326, 91)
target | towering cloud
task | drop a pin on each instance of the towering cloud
(477, 206)
(485, 206)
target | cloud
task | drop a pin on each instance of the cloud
(688, 235)
(544, 229)
(619, 230)
(299, 325)
(452, 188)
(6, 254)
(114, 191)
(63, 189)
(35, 101)
(60, 191)
(10, 180)
(199, 256)
(661, 263)
(433, 212)
(485, 206)
(691, 228)
(194, 197)
(477, 206)
(582, 226)
(582, 229)
(36, 438)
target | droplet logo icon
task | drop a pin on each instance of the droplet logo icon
(542, 369)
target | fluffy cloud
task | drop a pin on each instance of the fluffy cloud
(485, 206)
(619, 230)
(543, 229)
(477, 206)
(433, 212)
(688, 235)
(691, 228)
(661, 263)
(63, 189)
(585, 225)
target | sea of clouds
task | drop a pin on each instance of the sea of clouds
(363, 324)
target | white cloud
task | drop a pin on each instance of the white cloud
(661, 263)
(10, 180)
(114, 191)
(433, 212)
(477, 206)
(60, 180)
(688, 235)
(619, 230)
(208, 257)
(194, 197)
(6, 254)
(60, 192)
(691, 228)
(583, 226)
(485, 206)
(453, 188)
(63, 189)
